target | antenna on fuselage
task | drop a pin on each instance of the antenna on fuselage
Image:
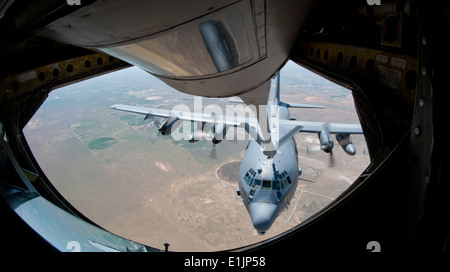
(276, 100)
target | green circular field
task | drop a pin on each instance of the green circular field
(137, 122)
(127, 117)
(101, 143)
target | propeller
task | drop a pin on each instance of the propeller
(153, 138)
(155, 121)
(326, 145)
(315, 149)
(214, 142)
(213, 152)
(331, 161)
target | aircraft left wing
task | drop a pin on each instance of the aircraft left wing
(332, 128)
(342, 131)
(188, 115)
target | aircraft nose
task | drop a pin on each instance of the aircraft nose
(263, 215)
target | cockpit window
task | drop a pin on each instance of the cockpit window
(266, 184)
(282, 183)
(288, 179)
(257, 183)
(276, 185)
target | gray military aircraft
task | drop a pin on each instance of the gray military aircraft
(269, 171)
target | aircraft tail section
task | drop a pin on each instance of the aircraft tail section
(278, 102)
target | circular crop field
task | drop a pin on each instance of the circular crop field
(101, 143)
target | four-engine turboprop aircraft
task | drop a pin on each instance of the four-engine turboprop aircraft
(269, 171)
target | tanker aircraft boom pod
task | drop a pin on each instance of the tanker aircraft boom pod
(269, 171)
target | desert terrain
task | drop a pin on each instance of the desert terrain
(115, 169)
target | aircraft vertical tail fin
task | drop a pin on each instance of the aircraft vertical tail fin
(278, 102)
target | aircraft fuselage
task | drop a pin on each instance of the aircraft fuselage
(267, 184)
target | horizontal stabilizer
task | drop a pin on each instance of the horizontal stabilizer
(236, 101)
(301, 106)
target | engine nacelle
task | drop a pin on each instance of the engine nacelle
(169, 126)
(345, 142)
(219, 130)
(326, 142)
